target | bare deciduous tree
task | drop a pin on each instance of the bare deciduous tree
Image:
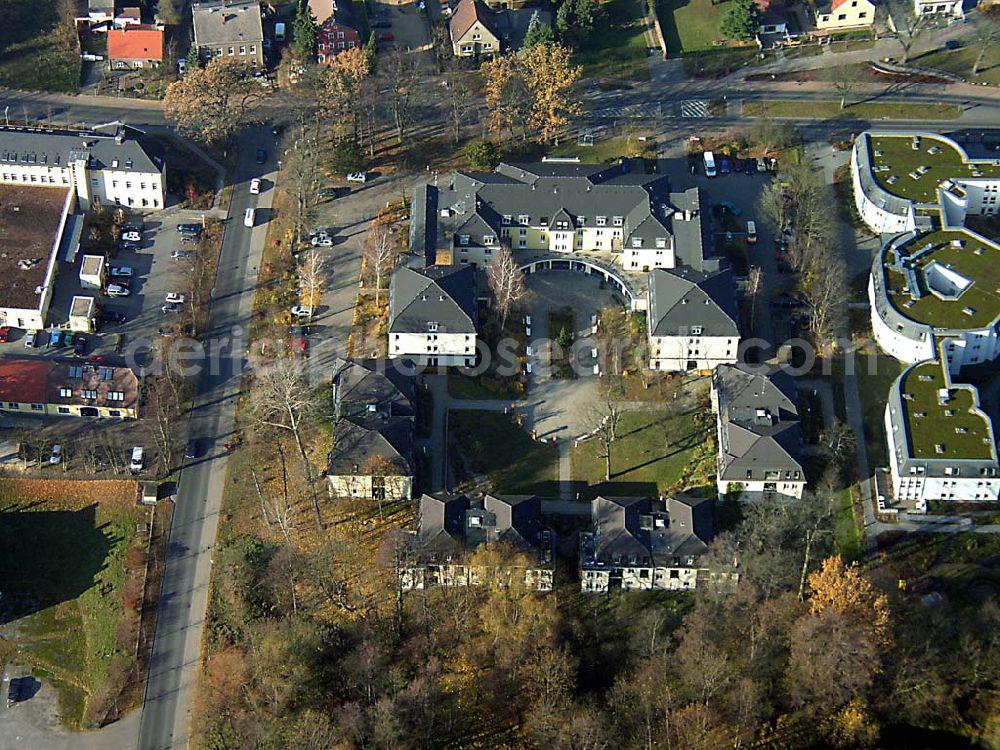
(399, 75)
(506, 280)
(607, 418)
(312, 278)
(282, 399)
(380, 253)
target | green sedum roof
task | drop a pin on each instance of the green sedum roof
(965, 434)
(897, 153)
(983, 297)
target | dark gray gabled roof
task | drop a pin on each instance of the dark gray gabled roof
(113, 146)
(759, 423)
(642, 531)
(680, 299)
(373, 404)
(445, 295)
(458, 521)
(227, 22)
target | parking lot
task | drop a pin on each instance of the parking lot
(408, 27)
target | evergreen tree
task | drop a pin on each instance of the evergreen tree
(538, 32)
(741, 22)
(304, 33)
(193, 60)
(371, 52)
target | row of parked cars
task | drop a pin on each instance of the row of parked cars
(735, 164)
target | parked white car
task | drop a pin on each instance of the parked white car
(255, 186)
(323, 240)
(358, 177)
(117, 290)
(135, 463)
(302, 312)
(29, 339)
(175, 297)
(131, 236)
(56, 456)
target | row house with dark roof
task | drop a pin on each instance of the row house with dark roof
(452, 527)
(645, 544)
(759, 433)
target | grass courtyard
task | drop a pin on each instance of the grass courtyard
(875, 375)
(63, 572)
(490, 444)
(37, 51)
(657, 451)
(618, 50)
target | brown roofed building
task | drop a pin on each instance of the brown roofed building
(76, 389)
(473, 30)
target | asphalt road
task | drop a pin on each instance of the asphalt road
(184, 592)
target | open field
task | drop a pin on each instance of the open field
(960, 63)
(63, 572)
(867, 110)
(37, 52)
(656, 451)
(606, 150)
(489, 443)
(619, 49)
(691, 25)
(847, 535)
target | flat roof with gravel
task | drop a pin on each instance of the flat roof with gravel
(973, 259)
(29, 219)
(916, 173)
(943, 425)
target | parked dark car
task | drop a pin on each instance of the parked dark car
(111, 316)
(261, 156)
(952, 44)
(193, 449)
(725, 166)
(750, 167)
(194, 229)
(380, 22)
(67, 338)
(80, 344)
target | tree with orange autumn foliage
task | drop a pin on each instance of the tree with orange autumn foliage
(844, 589)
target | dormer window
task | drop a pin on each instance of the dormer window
(463, 239)
(505, 220)
(489, 239)
(618, 221)
(661, 242)
(696, 330)
(523, 219)
(637, 242)
(602, 220)
(432, 326)
(581, 221)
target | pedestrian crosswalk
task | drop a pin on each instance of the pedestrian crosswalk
(694, 108)
(628, 111)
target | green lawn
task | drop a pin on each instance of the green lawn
(492, 444)
(656, 451)
(960, 62)
(620, 49)
(867, 110)
(847, 535)
(62, 573)
(36, 52)
(852, 45)
(875, 375)
(691, 25)
(606, 150)
(719, 62)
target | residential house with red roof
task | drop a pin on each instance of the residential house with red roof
(338, 29)
(473, 30)
(136, 46)
(67, 388)
(838, 15)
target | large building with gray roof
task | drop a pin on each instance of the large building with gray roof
(639, 543)
(452, 527)
(691, 320)
(759, 434)
(433, 316)
(229, 28)
(112, 165)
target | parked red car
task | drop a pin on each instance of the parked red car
(386, 36)
(4, 334)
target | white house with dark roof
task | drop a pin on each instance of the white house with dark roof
(452, 527)
(372, 452)
(433, 317)
(759, 435)
(113, 165)
(691, 320)
(644, 544)
(229, 28)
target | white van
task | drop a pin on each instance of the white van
(709, 164)
(136, 460)
(248, 217)
(751, 233)
(279, 32)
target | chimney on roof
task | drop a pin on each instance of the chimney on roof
(687, 214)
(120, 135)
